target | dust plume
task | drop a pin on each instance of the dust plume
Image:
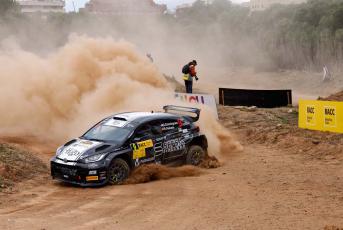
(55, 96)
(59, 96)
(221, 142)
(152, 172)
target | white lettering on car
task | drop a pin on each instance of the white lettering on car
(173, 145)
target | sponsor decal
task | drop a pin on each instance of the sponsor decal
(160, 139)
(330, 116)
(75, 150)
(168, 126)
(65, 163)
(180, 123)
(85, 142)
(102, 175)
(92, 178)
(142, 161)
(310, 115)
(139, 148)
(92, 172)
(173, 145)
(202, 99)
(115, 123)
(147, 160)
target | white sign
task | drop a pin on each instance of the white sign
(203, 99)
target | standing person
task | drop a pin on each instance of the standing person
(189, 72)
(150, 57)
(326, 74)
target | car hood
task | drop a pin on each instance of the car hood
(81, 148)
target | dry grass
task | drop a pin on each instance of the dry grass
(17, 165)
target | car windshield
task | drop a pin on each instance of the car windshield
(109, 130)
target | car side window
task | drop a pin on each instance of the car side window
(156, 128)
(142, 132)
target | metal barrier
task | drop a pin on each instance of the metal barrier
(259, 98)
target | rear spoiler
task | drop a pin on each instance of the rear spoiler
(186, 110)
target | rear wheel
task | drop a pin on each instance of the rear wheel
(195, 155)
(118, 171)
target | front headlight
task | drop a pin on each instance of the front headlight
(94, 158)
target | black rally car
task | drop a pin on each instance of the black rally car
(112, 148)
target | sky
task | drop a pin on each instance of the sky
(170, 3)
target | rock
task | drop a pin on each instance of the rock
(316, 142)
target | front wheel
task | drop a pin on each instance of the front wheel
(195, 155)
(118, 171)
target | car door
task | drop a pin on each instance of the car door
(173, 145)
(142, 145)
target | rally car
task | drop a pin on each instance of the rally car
(110, 150)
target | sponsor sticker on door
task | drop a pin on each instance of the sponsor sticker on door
(139, 148)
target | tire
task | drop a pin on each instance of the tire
(118, 171)
(195, 155)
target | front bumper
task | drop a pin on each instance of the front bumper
(87, 175)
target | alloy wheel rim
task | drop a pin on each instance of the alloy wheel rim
(117, 173)
(196, 157)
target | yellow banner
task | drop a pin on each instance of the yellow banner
(321, 115)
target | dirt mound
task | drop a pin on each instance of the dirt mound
(17, 165)
(41, 148)
(152, 172)
(279, 128)
(334, 97)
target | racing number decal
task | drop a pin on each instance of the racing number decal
(139, 148)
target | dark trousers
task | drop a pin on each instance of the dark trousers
(189, 86)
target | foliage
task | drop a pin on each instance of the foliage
(7, 6)
(303, 36)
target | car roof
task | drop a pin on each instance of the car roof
(142, 117)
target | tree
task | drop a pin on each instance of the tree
(7, 6)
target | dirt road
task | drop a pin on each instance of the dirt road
(270, 185)
(257, 189)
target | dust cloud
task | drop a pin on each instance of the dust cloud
(80, 83)
(152, 172)
(60, 95)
